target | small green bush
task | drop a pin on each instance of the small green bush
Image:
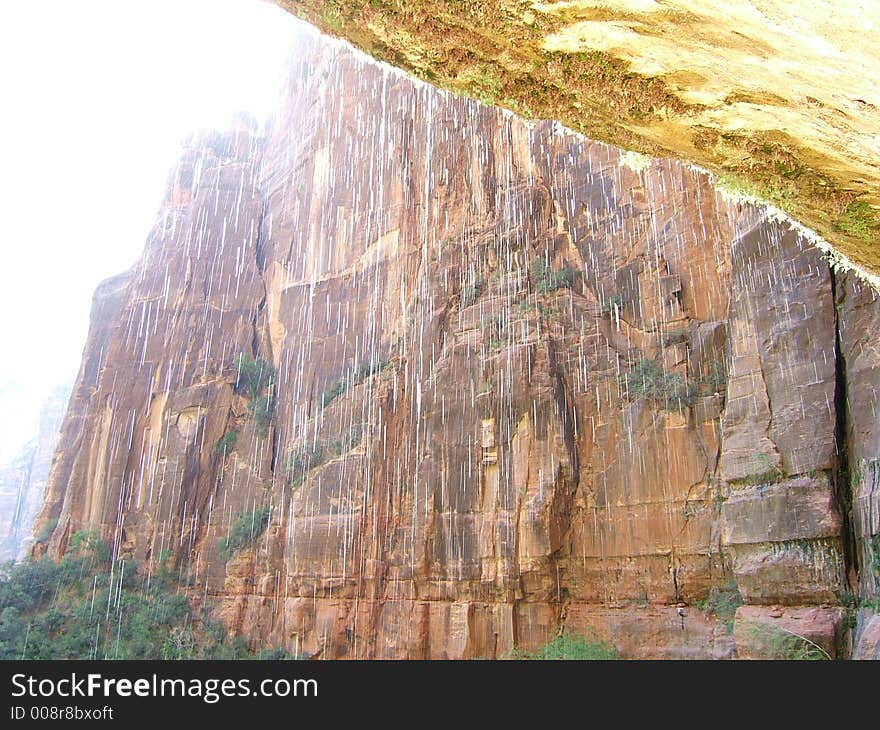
(493, 323)
(875, 555)
(262, 410)
(494, 328)
(611, 306)
(88, 543)
(859, 220)
(226, 442)
(774, 642)
(255, 380)
(86, 607)
(336, 388)
(648, 380)
(546, 280)
(717, 376)
(253, 377)
(674, 337)
(277, 654)
(722, 603)
(306, 457)
(368, 368)
(570, 646)
(764, 471)
(364, 370)
(246, 528)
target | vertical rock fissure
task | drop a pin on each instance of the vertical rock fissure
(259, 252)
(841, 482)
(256, 339)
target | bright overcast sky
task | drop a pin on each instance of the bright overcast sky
(96, 96)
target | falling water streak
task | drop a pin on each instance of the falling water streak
(371, 196)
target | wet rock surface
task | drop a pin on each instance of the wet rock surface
(791, 634)
(513, 386)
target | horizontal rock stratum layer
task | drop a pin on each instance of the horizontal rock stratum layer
(518, 386)
(779, 97)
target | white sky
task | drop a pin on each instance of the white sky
(95, 96)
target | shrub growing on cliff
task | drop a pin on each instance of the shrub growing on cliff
(89, 607)
(226, 442)
(763, 471)
(570, 646)
(875, 555)
(333, 391)
(546, 280)
(88, 544)
(648, 380)
(859, 220)
(364, 370)
(674, 337)
(368, 368)
(722, 603)
(775, 642)
(254, 380)
(717, 377)
(245, 529)
(262, 410)
(308, 456)
(253, 376)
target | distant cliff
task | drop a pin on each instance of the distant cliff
(22, 482)
(409, 377)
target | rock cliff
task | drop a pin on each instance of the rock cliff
(412, 378)
(22, 482)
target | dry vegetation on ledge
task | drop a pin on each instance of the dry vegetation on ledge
(776, 97)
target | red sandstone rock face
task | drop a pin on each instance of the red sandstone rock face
(763, 633)
(154, 391)
(859, 318)
(867, 644)
(504, 455)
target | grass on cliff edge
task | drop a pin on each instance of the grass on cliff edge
(255, 380)
(88, 606)
(495, 52)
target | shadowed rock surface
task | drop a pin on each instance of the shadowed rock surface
(515, 385)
